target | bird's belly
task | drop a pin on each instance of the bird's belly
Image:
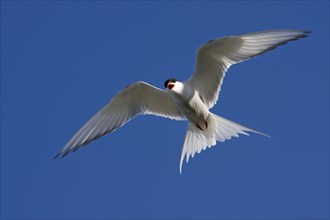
(194, 110)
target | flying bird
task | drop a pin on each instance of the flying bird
(189, 100)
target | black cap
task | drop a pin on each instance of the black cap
(168, 81)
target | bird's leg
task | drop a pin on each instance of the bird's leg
(197, 125)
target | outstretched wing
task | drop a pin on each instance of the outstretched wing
(215, 57)
(137, 98)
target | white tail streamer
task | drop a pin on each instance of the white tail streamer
(219, 129)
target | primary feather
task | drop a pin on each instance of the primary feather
(190, 100)
(215, 57)
(137, 98)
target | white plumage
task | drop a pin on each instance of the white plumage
(189, 100)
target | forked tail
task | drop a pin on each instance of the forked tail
(219, 129)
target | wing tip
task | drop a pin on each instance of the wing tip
(57, 155)
(260, 133)
(61, 154)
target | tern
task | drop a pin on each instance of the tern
(189, 100)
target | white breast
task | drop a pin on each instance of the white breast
(189, 102)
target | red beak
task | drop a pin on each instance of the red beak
(170, 86)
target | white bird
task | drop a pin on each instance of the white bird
(188, 100)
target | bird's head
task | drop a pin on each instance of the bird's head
(174, 85)
(170, 83)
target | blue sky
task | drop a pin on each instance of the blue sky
(62, 61)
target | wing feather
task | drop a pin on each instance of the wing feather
(137, 98)
(215, 57)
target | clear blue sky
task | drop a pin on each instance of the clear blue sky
(62, 61)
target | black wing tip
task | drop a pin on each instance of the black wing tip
(65, 153)
(302, 35)
(57, 155)
(305, 34)
(61, 154)
(300, 32)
